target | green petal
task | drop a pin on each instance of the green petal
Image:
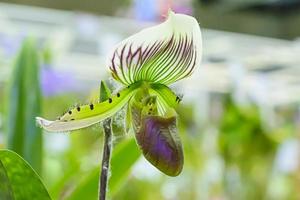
(165, 99)
(163, 54)
(86, 115)
(165, 95)
(136, 107)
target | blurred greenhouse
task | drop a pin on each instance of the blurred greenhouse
(239, 118)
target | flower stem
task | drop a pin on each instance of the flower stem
(105, 159)
(107, 147)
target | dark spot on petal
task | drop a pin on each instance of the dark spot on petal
(91, 106)
(70, 112)
(118, 94)
(150, 109)
(109, 100)
(78, 108)
(72, 119)
(177, 99)
(149, 113)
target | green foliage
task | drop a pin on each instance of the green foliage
(123, 158)
(88, 188)
(24, 137)
(18, 180)
(246, 149)
(141, 189)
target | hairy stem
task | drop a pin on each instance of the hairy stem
(105, 159)
(107, 147)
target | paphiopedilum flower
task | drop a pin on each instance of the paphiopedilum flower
(146, 63)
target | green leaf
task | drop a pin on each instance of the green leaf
(18, 180)
(87, 188)
(24, 137)
(123, 158)
(5, 187)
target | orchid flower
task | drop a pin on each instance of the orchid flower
(145, 64)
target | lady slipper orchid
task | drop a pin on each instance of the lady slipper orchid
(146, 63)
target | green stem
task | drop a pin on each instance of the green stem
(107, 147)
(105, 159)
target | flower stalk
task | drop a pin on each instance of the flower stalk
(107, 146)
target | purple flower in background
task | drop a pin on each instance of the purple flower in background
(56, 82)
(146, 10)
(153, 10)
(184, 9)
(10, 44)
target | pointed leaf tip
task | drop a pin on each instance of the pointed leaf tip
(105, 92)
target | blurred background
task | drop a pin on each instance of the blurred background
(239, 118)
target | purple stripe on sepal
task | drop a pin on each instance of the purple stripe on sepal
(161, 144)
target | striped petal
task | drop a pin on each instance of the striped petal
(162, 54)
(87, 115)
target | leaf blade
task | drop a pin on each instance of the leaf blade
(123, 158)
(23, 180)
(24, 104)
